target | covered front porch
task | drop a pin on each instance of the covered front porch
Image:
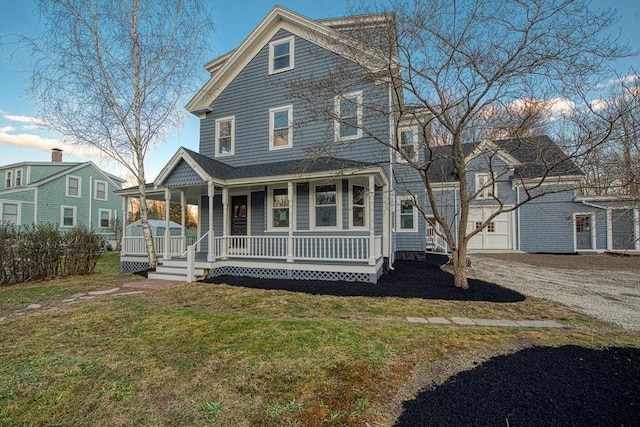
(325, 225)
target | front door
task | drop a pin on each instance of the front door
(238, 215)
(583, 232)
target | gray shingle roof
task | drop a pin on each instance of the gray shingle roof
(538, 156)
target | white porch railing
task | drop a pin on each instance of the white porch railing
(435, 241)
(134, 245)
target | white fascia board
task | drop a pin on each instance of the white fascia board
(486, 146)
(18, 190)
(342, 173)
(550, 180)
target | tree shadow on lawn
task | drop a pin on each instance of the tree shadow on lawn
(409, 279)
(539, 386)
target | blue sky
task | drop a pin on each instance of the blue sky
(22, 139)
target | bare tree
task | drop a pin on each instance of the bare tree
(466, 72)
(110, 74)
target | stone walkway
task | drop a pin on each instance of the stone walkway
(465, 321)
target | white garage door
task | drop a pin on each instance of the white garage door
(496, 235)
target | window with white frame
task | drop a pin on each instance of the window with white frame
(104, 216)
(408, 144)
(8, 181)
(281, 55)
(358, 206)
(280, 209)
(281, 127)
(100, 190)
(73, 186)
(326, 202)
(10, 213)
(68, 216)
(18, 179)
(485, 186)
(225, 136)
(348, 113)
(407, 214)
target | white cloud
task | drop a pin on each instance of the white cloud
(626, 79)
(599, 104)
(46, 144)
(7, 129)
(22, 119)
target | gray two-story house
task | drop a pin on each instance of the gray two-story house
(288, 187)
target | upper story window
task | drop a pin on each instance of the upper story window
(18, 179)
(407, 214)
(105, 218)
(281, 127)
(281, 55)
(68, 214)
(326, 202)
(10, 213)
(348, 116)
(280, 208)
(8, 181)
(73, 186)
(101, 190)
(485, 186)
(408, 144)
(358, 206)
(225, 136)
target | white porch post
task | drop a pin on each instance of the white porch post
(386, 223)
(291, 220)
(225, 221)
(372, 234)
(211, 255)
(183, 207)
(125, 220)
(167, 229)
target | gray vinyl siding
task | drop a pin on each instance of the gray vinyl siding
(253, 92)
(258, 213)
(409, 240)
(182, 175)
(302, 205)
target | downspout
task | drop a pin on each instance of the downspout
(519, 245)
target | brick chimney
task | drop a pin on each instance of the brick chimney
(56, 155)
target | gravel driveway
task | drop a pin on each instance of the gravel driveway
(610, 295)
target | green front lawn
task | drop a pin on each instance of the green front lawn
(219, 355)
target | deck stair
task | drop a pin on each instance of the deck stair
(175, 269)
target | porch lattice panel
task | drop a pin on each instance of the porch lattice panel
(273, 273)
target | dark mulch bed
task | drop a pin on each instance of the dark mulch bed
(409, 279)
(540, 386)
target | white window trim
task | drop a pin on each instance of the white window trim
(337, 123)
(594, 244)
(484, 194)
(66, 189)
(106, 190)
(18, 210)
(273, 44)
(231, 152)
(8, 177)
(366, 206)
(100, 211)
(75, 216)
(312, 207)
(272, 114)
(270, 207)
(399, 229)
(400, 158)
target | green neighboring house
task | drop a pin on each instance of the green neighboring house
(64, 193)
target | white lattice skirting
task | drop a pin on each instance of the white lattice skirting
(273, 273)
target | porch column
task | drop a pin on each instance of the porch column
(211, 254)
(167, 229)
(183, 206)
(225, 221)
(386, 222)
(125, 220)
(291, 220)
(372, 234)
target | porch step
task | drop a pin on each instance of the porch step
(175, 272)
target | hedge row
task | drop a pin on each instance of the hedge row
(41, 252)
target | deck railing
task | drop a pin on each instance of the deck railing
(134, 245)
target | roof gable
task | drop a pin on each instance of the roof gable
(113, 180)
(228, 66)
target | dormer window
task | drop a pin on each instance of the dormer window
(485, 186)
(8, 179)
(281, 54)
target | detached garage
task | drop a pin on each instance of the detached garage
(497, 235)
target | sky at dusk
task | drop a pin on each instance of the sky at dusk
(23, 139)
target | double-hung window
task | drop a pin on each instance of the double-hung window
(10, 213)
(280, 127)
(73, 186)
(105, 218)
(280, 209)
(407, 214)
(485, 186)
(101, 190)
(68, 214)
(18, 177)
(225, 136)
(408, 144)
(281, 55)
(8, 179)
(348, 116)
(326, 206)
(358, 206)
